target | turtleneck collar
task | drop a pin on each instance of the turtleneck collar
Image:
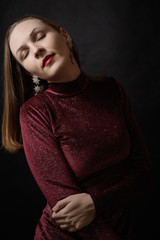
(69, 88)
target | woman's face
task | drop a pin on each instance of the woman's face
(40, 49)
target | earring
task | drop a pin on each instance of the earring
(37, 87)
(70, 46)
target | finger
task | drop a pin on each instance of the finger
(60, 204)
(68, 228)
(62, 214)
(64, 226)
(61, 221)
(67, 222)
(72, 229)
(59, 215)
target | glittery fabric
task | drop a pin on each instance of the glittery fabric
(82, 136)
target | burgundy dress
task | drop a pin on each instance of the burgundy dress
(82, 136)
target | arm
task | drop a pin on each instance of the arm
(52, 172)
(44, 156)
(137, 172)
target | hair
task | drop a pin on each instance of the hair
(18, 87)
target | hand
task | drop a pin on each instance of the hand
(74, 212)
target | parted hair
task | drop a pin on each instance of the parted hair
(18, 87)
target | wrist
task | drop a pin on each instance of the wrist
(91, 204)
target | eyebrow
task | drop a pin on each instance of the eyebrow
(30, 35)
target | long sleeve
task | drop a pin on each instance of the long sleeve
(136, 170)
(44, 155)
(52, 172)
(83, 137)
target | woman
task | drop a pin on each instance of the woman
(79, 134)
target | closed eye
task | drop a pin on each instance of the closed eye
(25, 53)
(40, 36)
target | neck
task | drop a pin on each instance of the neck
(68, 74)
(69, 88)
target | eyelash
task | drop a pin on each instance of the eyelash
(41, 37)
(24, 57)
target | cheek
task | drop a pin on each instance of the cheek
(57, 43)
(30, 65)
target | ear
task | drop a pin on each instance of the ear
(65, 34)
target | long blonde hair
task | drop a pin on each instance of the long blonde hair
(18, 88)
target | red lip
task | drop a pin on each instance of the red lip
(47, 59)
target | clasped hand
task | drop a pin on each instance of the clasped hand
(74, 212)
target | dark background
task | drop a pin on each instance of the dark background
(119, 37)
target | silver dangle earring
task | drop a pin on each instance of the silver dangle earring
(37, 87)
(70, 46)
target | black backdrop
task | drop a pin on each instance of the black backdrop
(118, 37)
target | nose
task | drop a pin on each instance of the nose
(39, 52)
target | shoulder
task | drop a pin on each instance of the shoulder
(105, 78)
(100, 78)
(107, 82)
(34, 114)
(34, 106)
(38, 101)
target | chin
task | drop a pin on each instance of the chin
(54, 71)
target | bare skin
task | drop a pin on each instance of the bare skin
(30, 42)
(74, 212)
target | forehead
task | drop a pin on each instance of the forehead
(21, 32)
